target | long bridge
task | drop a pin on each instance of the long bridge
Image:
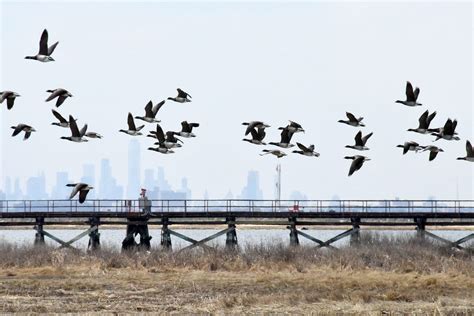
(137, 215)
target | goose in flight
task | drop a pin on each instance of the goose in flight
(448, 132)
(163, 146)
(254, 124)
(62, 121)
(357, 162)
(286, 135)
(60, 93)
(424, 123)
(306, 151)
(277, 153)
(360, 141)
(187, 129)
(132, 129)
(150, 112)
(10, 96)
(76, 134)
(257, 136)
(44, 54)
(433, 151)
(93, 135)
(23, 128)
(182, 97)
(81, 188)
(293, 127)
(410, 146)
(353, 121)
(469, 153)
(412, 96)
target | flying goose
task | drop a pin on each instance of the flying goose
(62, 121)
(164, 143)
(433, 151)
(277, 153)
(23, 128)
(182, 97)
(306, 151)
(353, 121)
(93, 135)
(448, 132)
(44, 54)
(293, 127)
(412, 96)
(423, 123)
(187, 129)
(76, 134)
(469, 153)
(360, 141)
(132, 129)
(81, 188)
(150, 112)
(257, 136)
(254, 124)
(10, 96)
(357, 162)
(410, 146)
(59, 93)
(286, 135)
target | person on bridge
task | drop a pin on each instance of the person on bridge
(144, 203)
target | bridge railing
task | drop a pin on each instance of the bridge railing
(236, 205)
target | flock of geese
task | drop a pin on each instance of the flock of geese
(448, 132)
(166, 142)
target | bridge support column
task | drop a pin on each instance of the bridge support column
(94, 235)
(231, 240)
(137, 226)
(294, 240)
(420, 227)
(355, 236)
(165, 235)
(39, 235)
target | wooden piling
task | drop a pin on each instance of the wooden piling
(294, 240)
(231, 236)
(39, 235)
(165, 235)
(94, 235)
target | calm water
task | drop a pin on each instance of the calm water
(114, 237)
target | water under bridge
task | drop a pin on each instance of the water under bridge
(227, 215)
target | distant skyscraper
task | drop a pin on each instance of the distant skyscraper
(162, 183)
(252, 189)
(88, 176)
(108, 188)
(149, 181)
(185, 189)
(8, 187)
(133, 188)
(17, 193)
(36, 188)
(60, 191)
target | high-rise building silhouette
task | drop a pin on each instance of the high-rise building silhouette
(88, 176)
(108, 188)
(36, 188)
(133, 186)
(252, 189)
(60, 190)
(149, 181)
(185, 189)
(17, 193)
(8, 187)
(161, 180)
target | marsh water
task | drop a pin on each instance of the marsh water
(113, 237)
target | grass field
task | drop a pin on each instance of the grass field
(380, 276)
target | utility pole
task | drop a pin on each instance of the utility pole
(278, 182)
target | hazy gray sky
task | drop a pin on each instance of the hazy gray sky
(308, 62)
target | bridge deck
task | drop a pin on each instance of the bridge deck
(193, 209)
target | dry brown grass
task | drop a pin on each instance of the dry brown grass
(401, 275)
